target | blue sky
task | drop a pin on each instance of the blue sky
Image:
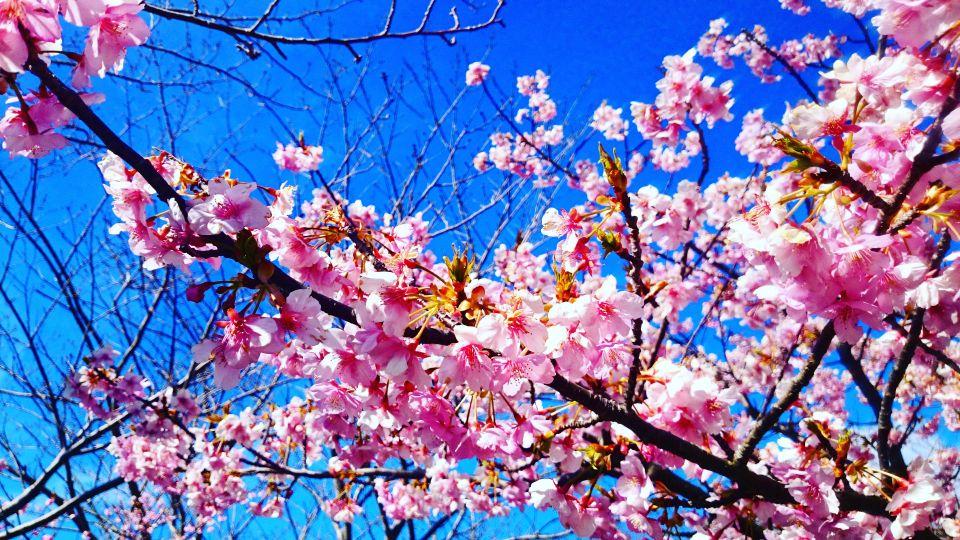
(596, 50)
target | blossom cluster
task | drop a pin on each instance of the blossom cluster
(526, 152)
(655, 363)
(760, 56)
(32, 29)
(686, 100)
(298, 158)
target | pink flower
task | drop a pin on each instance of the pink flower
(811, 121)
(130, 191)
(915, 502)
(31, 133)
(951, 125)
(573, 513)
(755, 140)
(386, 304)
(607, 120)
(151, 458)
(245, 338)
(687, 403)
(104, 356)
(83, 12)
(299, 158)
(434, 418)
(481, 162)
(520, 327)
(813, 488)
(23, 137)
(394, 357)
(912, 23)
(517, 371)
(182, 401)
(799, 7)
(289, 246)
(271, 507)
(350, 367)
(161, 246)
(301, 315)
(118, 28)
(527, 85)
(13, 50)
(606, 313)
(563, 223)
(333, 399)
(871, 76)
(878, 145)
(342, 509)
(38, 18)
(243, 429)
(634, 491)
(847, 315)
(228, 207)
(477, 73)
(468, 363)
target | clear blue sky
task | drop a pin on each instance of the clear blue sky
(594, 50)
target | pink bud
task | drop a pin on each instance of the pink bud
(195, 292)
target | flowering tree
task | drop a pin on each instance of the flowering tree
(659, 363)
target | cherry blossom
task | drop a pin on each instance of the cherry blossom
(228, 207)
(476, 73)
(299, 158)
(740, 348)
(118, 28)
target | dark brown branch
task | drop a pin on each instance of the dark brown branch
(939, 355)
(869, 391)
(820, 348)
(609, 410)
(390, 474)
(891, 459)
(867, 38)
(833, 173)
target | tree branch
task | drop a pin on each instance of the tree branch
(820, 348)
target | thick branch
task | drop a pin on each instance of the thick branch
(869, 391)
(820, 348)
(833, 173)
(67, 506)
(892, 458)
(224, 244)
(609, 410)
